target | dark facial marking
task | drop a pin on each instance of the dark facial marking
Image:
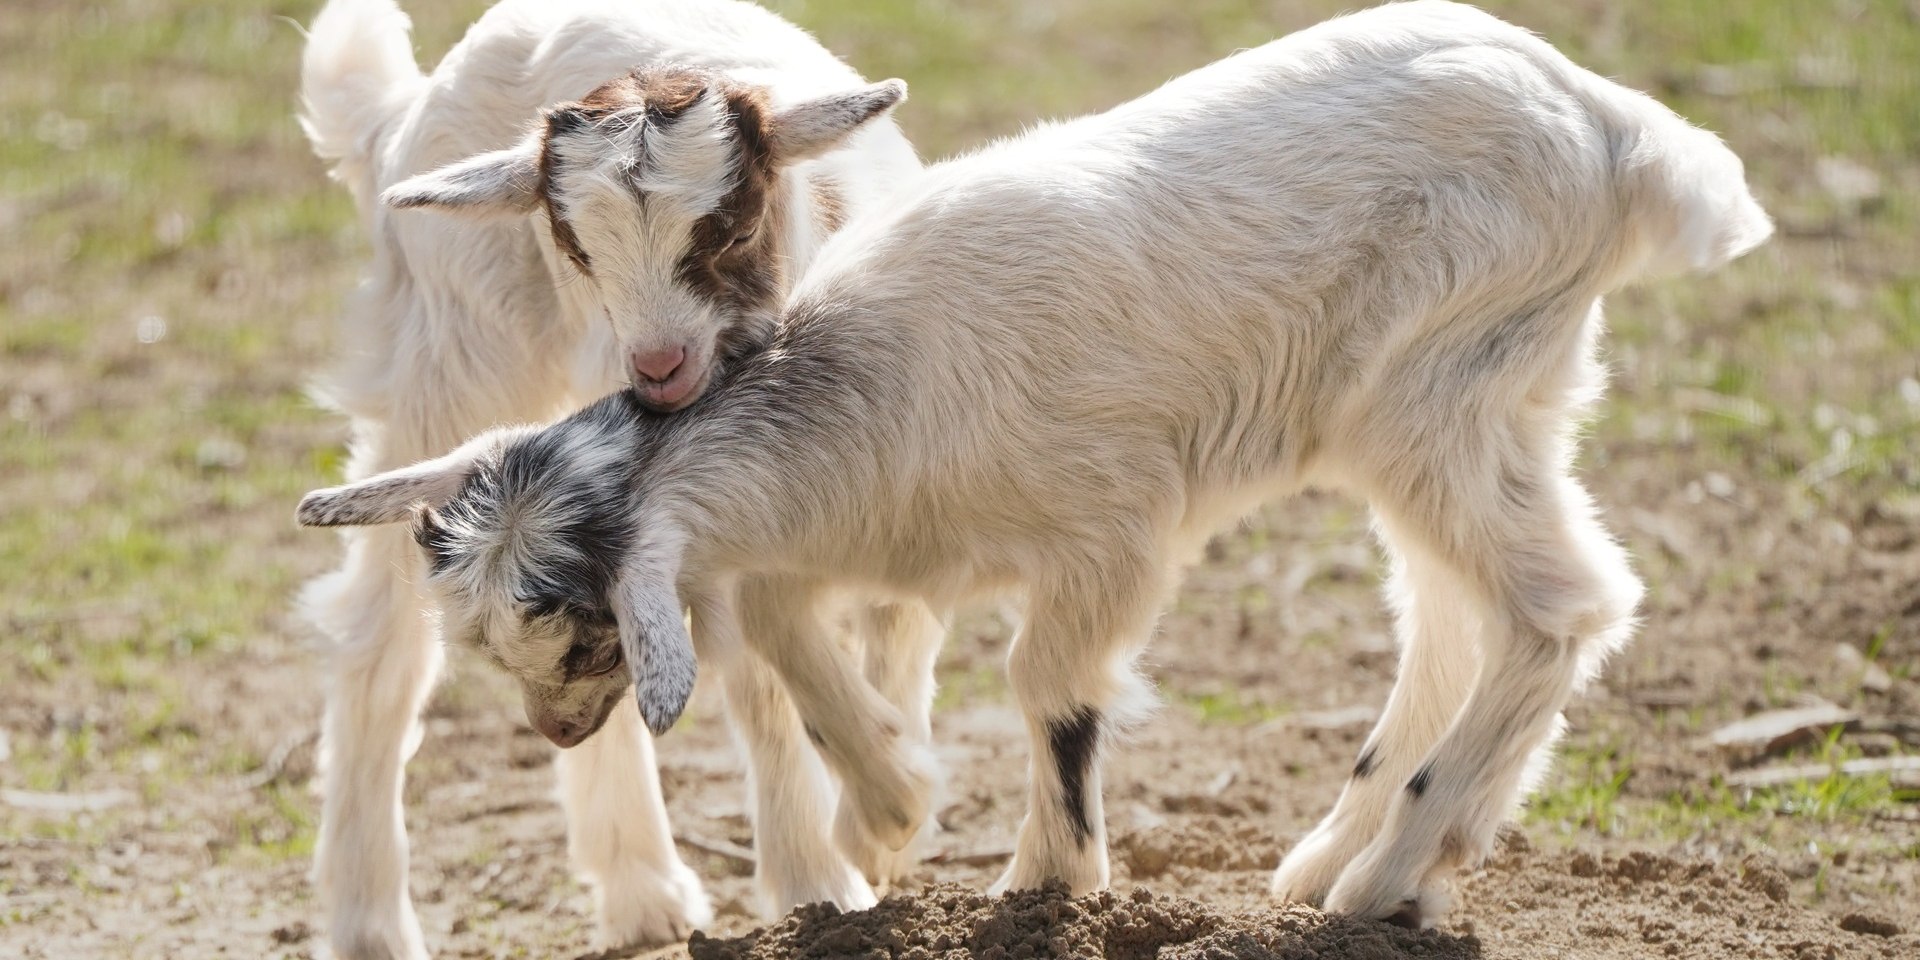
(1368, 760)
(1074, 739)
(595, 652)
(666, 94)
(432, 537)
(564, 119)
(1421, 780)
(582, 519)
(733, 258)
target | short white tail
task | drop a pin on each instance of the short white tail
(356, 76)
(1688, 197)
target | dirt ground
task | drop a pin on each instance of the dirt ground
(170, 263)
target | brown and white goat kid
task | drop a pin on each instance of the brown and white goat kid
(1368, 256)
(643, 232)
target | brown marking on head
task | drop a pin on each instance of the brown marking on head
(734, 255)
(734, 258)
(665, 94)
(557, 225)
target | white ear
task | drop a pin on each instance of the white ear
(813, 127)
(492, 184)
(659, 652)
(390, 497)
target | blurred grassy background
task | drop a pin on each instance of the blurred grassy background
(171, 257)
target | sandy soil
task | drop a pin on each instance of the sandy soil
(1202, 802)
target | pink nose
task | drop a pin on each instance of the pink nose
(658, 366)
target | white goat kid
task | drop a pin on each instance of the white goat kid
(1369, 255)
(677, 202)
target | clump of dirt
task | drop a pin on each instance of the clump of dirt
(951, 922)
(1204, 843)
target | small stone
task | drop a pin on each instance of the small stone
(219, 453)
(1764, 878)
(1868, 924)
(1871, 676)
(150, 329)
(1847, 181)
(292, 933)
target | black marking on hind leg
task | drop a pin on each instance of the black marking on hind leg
(1369, 758)
(1418, 785)
(1074, 740)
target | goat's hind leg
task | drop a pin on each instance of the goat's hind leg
(1558, 594)
(1436, 622)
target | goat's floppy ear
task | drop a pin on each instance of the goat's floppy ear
(812, 127)
(500, 183)
(390, 497)
(659, 652)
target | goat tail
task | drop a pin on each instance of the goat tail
(1687, 201)
(357, 77)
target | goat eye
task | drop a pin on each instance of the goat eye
(586, 659)
(740, 239)
(606, 660)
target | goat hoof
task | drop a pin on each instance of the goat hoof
(1389, 902)
(367, 943)
(879, 864)
(648, 907)
(1310, 869)
(1407, 916)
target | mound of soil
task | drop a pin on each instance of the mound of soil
(950, 922)
(1203, 843)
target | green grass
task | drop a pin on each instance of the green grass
(1591, 790)
(1227, 707)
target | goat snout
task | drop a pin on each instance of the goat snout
(666, 380)
(563, 733)
(658, 366)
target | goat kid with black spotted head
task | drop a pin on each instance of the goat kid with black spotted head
(1369, 256)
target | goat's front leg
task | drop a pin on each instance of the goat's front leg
(901, 642)
(1436, 622)
(888, 777)
(619, 838)
(383, 660)
(795, 859)
(1071, 672)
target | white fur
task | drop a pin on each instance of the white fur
(1368, 256)
(462, 325)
